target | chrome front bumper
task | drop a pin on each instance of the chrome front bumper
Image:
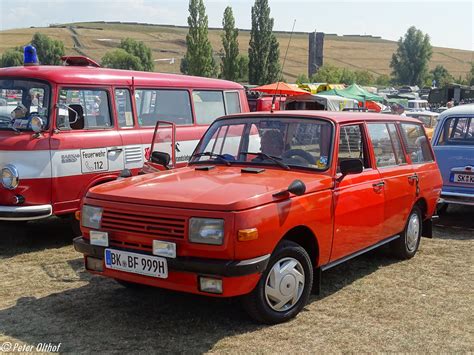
(25, 213)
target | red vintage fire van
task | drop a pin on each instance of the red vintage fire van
(267, 202)
(64, 129)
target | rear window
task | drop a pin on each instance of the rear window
(457, 131)
(416, 143)
(163, 105)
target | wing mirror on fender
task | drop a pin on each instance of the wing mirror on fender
(350, 166)
(161, 158)
(297, 187)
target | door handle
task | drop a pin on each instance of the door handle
(379, 184)
(413, 177)
(114, 149)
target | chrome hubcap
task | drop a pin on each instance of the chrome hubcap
(284, 284)
(413, 232)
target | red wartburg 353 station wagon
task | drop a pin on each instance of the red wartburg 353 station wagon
(267, 202)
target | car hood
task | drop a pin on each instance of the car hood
(220, 188)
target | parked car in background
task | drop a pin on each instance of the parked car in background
(453, 144)
(79, 125)
(417, 105)
(267, 202)
(428, 118)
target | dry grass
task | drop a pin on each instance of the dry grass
(372, 303)
(168, 42)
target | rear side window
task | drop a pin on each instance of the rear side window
(397, 146)
(208, 105)
(416, 143)
(163, 105)
(83, 109)
(124, 107)
(384, 150)
(457, 131)
(351, 145)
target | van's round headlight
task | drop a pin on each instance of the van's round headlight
(10, 177)
(37, 124)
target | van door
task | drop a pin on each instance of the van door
(399, 180)
(358, 199)
(86, 147)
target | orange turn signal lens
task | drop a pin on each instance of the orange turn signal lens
(247, 234)
(78, 215)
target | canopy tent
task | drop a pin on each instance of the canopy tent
(319, 102)
(354, 92)
(315, 88)
(280, 88)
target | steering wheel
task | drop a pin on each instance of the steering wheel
(299, 153)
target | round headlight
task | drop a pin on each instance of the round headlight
(37, 124)
(10, 177)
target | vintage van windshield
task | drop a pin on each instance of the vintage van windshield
(285, 142)
(22, 99)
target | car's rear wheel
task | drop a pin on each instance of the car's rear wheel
(407, 245)
(284, 288)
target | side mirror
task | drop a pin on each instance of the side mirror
(350, 166)
(161, 158)
(297, 187)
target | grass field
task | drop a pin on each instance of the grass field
(373, 303)
(95, 39)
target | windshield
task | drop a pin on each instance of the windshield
(281, 142)
(20, 100)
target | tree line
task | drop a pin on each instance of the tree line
(261, 64)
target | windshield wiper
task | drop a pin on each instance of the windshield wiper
(212, 155)
(273, 158)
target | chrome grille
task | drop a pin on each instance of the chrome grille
(148, 225)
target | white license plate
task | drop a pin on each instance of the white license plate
(136, 263)
(464, 178)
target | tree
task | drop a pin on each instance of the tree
(264, 50)
(11, 58)
(327, 73)
(470, 75)
(410, 61)
(121, 59)
(363, 77)
(243, 68)
(198, 59)
(441, 75)
(49, 50)
(230, 45)
(382, 80)
(302, 79)
(139, 50)
(348, 77)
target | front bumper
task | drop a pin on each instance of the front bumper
(25, 213)
(457, 198)
(223, 268)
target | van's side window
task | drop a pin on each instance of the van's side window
(397, 145)
(123, 103)
(86, 109)
(416, 143)
(159, 104)
(351, 145)
(208, 105)
(458, 130)
(383, 149)
(232, 102)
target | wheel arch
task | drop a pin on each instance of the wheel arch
(305, 237)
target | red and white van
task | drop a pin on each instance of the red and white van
(64, 129)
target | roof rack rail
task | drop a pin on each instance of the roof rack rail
(79, 61)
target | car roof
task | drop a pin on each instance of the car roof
(71, 75)
(335, 116)
(467, 109)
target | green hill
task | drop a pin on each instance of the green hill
(94, 39)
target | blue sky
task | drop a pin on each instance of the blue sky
(449, 23)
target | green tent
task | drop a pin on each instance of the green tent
(354, 92)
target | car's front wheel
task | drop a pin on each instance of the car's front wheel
(284, 288)
(407, 245)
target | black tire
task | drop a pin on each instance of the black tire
(406, 247)
(442, 208)
(75, 226)
(256, 303)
